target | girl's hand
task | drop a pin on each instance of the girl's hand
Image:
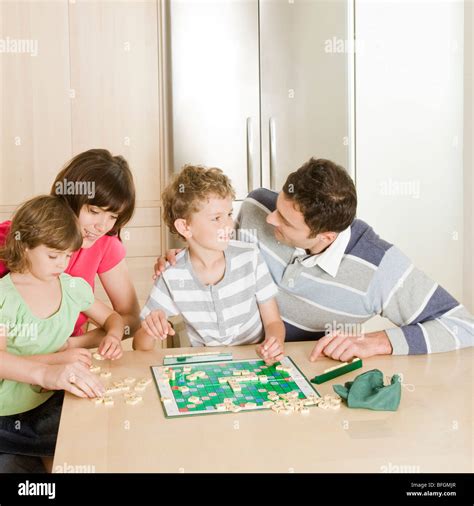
(271, 350)
(73, 355)
(74, 378)
(156, 325)
(111, 347)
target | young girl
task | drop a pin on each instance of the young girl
(39, 306)
(99, 188)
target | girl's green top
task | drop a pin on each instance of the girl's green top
(29, 335)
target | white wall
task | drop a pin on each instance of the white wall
(409, 130)
(468, 159)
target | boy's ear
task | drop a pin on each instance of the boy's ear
(182, 228)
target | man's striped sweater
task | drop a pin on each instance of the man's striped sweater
(373, 278)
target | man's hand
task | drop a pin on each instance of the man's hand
(161, 261)
(271, 350)
(343, 347)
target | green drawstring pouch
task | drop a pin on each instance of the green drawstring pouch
(368, 391)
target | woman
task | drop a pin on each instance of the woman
(100, 190)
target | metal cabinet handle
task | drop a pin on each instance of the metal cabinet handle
(250, 182)
(272, 136)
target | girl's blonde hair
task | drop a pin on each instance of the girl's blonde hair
(43, 220)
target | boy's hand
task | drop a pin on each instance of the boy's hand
(156, 325)
(73, 355)
(271, 350)
(161, 261)
(111, 347)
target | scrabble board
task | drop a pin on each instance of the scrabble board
(212, 391)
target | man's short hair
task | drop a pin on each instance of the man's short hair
(325, 193)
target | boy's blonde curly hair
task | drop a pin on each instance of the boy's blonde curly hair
(189, 188)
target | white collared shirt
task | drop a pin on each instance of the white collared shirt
(330, 259)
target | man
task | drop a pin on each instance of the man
(334, 273)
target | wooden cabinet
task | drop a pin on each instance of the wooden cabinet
(93, 82)
(114, 82)
(35, 115)
(115, 104)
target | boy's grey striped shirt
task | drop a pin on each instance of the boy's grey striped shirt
(374, 277)
(223, 314)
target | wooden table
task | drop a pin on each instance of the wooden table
(432, 431)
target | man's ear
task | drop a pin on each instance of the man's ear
(328, 237)
(183, 228)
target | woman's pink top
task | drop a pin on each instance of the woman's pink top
(85, 263)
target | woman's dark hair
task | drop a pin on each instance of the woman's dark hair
(97, 178)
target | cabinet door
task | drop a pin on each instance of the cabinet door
(304, 54)
(114, 76)
(35, 116)
(215, 87)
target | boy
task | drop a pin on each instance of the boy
(221, 287)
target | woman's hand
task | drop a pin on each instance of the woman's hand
(160, 265)
(74, 378)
